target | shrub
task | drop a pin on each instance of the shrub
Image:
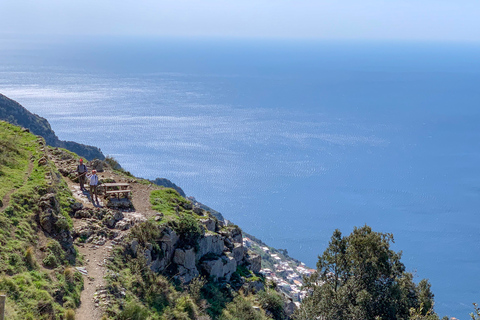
(69, 274)
(50, 261)
(189, 230)
(133, 311)
(241, 308)
(30, 257)
(70, 314)
(272, 302)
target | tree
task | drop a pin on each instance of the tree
(360, 277)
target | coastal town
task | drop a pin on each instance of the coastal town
(277, 266)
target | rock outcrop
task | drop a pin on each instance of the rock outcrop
(217, 253)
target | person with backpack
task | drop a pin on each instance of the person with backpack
(94, 185)
(82, 174)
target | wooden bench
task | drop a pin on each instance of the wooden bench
(116, 189)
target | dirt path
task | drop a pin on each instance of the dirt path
(94, 270)
(90, 307)
(6, 198)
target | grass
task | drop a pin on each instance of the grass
(33, 292)
(13, 160)
(168, 201)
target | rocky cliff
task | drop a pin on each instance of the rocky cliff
(14, 113)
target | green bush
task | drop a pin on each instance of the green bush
(133, 311)
(50, 261)
(189, 230)
(242, 308)
(272, 302)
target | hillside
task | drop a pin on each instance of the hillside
(14, 113)
(154, 256)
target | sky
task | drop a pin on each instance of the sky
(415, 20)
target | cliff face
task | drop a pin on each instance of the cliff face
(14, 113)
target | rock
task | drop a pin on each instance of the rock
(159, 264)
(210, 243)
(63, 172)
(238, 252)
(228, 243)
(187, 205)
(169, 241)
(255, 262)
(76, 206)
(122, 203)
(185, 258)
(85, 231)
(110, 221)
(134, 246)
(222, 267)
(49, 201)
(289, 307)
(42, 161)
(214, 268)
(83, 213)
(82, 270)
(148, 256)
(124, 224)
(198, 211)
(209, 224)
(118, 215)
(47, 222)
(187, 275)
(97, 165)
(99, 241)
(229, 267)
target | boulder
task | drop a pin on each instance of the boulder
(134, 246)
(238, 252)
(47, 221)
(185, 258)
(76, 206)
(214, 268)
(186, 275)
(209, 224)
(49, 201)
(210, 243)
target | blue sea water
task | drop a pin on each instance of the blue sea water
(288, 139)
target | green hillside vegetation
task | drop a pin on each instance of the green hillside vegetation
(35, 269)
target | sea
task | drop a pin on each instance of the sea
(289, 139)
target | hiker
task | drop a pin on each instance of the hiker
(94, 185)
(82, 174)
